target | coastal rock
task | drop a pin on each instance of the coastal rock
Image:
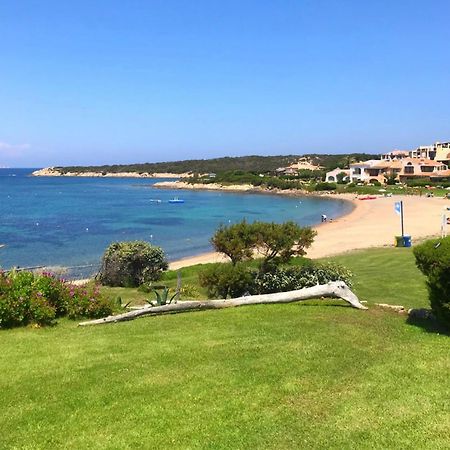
(209, 186)
(55, 172)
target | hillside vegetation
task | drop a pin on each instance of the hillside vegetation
(252, 163)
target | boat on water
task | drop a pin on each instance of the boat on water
(176, 200)
(155, 200)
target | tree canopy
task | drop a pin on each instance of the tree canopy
(277, 243)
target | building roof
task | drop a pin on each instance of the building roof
(382, 165)
(338, 171)
(368, 163)
(422, 162)
(440, 174)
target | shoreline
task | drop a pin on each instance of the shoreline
(370, 224)
(214, 257)
(52, 172)
(250, 189)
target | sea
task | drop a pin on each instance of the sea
(69, 222)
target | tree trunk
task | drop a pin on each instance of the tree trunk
(335, 289)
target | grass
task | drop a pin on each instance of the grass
(278, 376)
(387, 275)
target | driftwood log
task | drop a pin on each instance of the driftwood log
(335, 289)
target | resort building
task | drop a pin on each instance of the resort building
(422, 168)
(439, 151)
(442, 152)
(427, 161)
(366, 171)
(405, 169)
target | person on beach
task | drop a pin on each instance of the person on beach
(324, 218)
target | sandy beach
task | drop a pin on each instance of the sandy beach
(372, 223)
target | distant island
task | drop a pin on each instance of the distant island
(188, 168)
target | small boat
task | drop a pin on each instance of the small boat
(176, 200)
(155, 200)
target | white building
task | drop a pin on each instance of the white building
(331, 177)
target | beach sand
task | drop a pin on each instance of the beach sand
(372, 223)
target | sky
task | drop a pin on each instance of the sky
(105, 81)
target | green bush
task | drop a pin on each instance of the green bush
(292, 278)
(223, 280)
(325, 186)
(27, 298)
(131, 264)
(433, 259)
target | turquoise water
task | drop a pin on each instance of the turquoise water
(70, 221)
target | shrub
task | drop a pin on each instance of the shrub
(54, 291)
(340, 177)
(87, 301)
(189, 291)
(27, 298)
(15, 293)
(291, 278)
(131, 264)
(325, 187)
(41, 311)
(223, 280)
(433, 259)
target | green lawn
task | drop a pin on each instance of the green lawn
(387, 275)
(313, 375)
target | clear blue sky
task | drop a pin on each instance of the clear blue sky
(106, 81)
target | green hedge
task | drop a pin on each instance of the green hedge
(433, 259)
(223, 280)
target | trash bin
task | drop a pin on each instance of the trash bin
(407, 242)
(399, 241)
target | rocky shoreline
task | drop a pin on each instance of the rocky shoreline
(54, 172)
(248, 188)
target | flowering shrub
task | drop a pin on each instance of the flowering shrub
(88, 302)
(54, 291)
(27, 298)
